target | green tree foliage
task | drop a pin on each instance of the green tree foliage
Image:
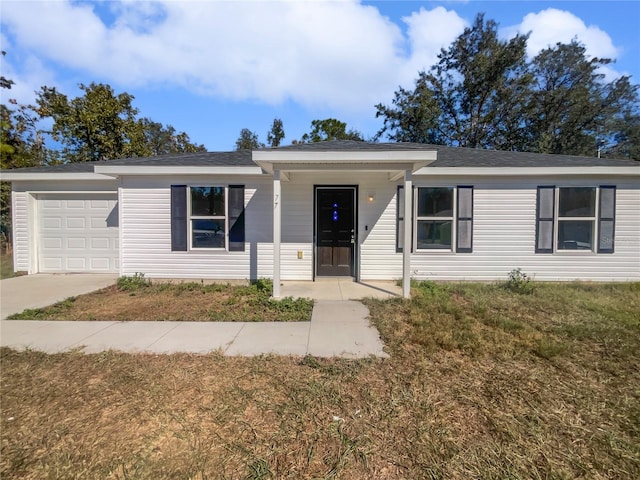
(484, 93)
(248, 140)
(163, 140)
(457, 101)
(573, 107)
(103, 125)
(329, 129)
(276, 134)
(99, 125)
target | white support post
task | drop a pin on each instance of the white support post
(277, 230)
(408, 237)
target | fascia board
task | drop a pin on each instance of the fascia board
(528, 171)
(29, 176)
(116, 170)
(281, 156)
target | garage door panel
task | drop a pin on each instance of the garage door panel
(48, 203)
(98, 263)
(51, 264)
(52, 242)
(98, 222)
(78, 233)
(75, 222)
(76, 243)
(100, 243)
(52, 222)
(76, 264)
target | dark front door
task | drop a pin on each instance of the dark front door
(335, 231)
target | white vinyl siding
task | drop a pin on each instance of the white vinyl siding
(504, 237)
(504, 229)
(20, 231)
(146, 232)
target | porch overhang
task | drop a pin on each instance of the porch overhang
(398, 164)
(394, 162)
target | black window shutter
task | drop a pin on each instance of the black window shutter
(179, 218)
(607, 219)
(545, 211)
(399, 219)
(236, 218)
(464, 224)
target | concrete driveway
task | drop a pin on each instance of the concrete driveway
(37, 291)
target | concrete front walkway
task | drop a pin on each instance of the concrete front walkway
(337, 329)
(340, 289)
(339, 326)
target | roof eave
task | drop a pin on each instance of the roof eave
(57, 176)
(577, 170)
(119, 170)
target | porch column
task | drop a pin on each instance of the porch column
(277, 214)
(408, 240)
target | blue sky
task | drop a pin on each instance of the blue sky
(211, 68)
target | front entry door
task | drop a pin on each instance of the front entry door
(335, 231)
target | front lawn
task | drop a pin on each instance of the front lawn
(136, 298)
(483, 382)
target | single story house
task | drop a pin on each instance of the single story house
(342, 208)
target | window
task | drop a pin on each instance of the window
(442, 219)
(434, 218)
(572, 218)
(576, 218)
(207, 217)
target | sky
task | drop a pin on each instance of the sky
(211, 68)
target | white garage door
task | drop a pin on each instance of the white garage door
(78, 232)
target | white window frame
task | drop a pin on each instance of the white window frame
(452, 218)
(191, 217)
(593, 219)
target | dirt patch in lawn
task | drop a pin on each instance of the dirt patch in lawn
(140, 299)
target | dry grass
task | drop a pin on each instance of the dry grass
(135, 298)
(482, 383)
(6, 265)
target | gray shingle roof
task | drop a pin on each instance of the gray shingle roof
(471, 157)
(235, 158)
(447, 157)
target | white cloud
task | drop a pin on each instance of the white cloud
(429, 31)
(551, 26)
(340, 55)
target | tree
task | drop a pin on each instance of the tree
(96, 126)
(484, 93)
(573, 107)
(248, 140)
(458, 102)
(162, 140)
(329, 129)
(102, 125)
(276, 134)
